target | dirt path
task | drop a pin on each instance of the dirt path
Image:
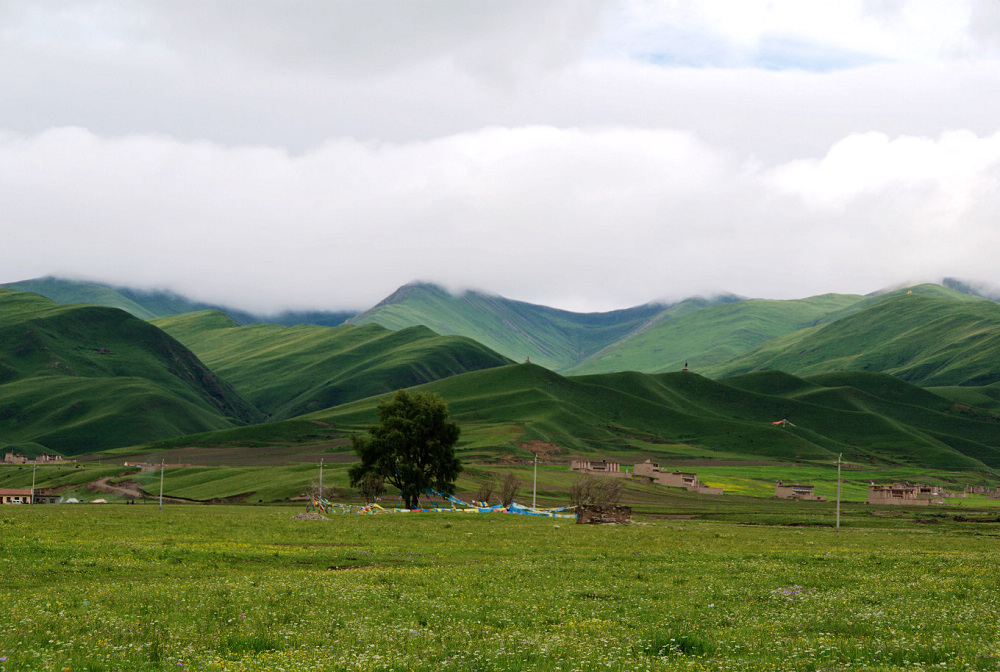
(130, 490)
(126, 489)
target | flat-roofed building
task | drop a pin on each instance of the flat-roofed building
(602, 468)
(902, 494)
(674, 479)
(797, 491)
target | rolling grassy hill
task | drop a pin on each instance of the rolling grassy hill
(288, 371)
(933, 339)
(149, 304)
(867, 417)
(68, 292)
(79, 378)
(715, 334)
(555, 339)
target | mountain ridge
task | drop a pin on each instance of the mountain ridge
(150, 304)
(925, 337)
(78, 378)
(289, 371)
(681, 415)
(551, 337)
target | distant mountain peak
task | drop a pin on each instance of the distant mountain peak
(983, 290)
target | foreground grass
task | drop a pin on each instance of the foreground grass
(249, 588)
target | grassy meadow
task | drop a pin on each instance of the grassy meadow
(120, 587)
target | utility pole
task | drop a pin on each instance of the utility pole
(162, 464)
(534, 484)
(320, 478)
(33, 468)
(838, 492)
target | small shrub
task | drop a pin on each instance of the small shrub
(371, 487)
(509, 488)
(588, 490)
(486, 488)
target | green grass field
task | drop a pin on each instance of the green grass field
(250, 588)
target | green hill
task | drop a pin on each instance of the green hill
(287, 371)
(937, 339)
(555, 339)
(715, 334)
(68, 292)
(149, 304)
(867, 417)
(78, 378)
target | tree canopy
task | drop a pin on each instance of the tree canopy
(412, 447)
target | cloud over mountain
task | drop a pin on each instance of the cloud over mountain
(589, 155)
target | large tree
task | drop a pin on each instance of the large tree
(412, 447)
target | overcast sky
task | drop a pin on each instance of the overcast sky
(582, 154)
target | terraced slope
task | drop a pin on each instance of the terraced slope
(287, 371)
(555, 339)
(79, 378)
(928, 340)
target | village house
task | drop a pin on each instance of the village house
(797, 491)
(15, 495)
(13, 458)
(601, 468)
(674, 479)
(903, 494)
(23, 496)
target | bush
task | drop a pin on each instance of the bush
(371, 487)
(509, 488)
(486, 489)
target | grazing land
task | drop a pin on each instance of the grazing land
(119, 587)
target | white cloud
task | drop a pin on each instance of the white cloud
(953, 166)
(585, 154)
(619, 216)
(737, 31)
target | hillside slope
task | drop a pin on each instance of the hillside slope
(715, 334)
(927, 340)
(67, 292)
(149, 304)
(870, 417)
(80, 378)
(555, 339)
(287, 371)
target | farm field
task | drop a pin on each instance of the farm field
(120, 587)
(749, 488)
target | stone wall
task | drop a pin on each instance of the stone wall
(591, 514)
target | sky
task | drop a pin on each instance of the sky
(583, 154)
